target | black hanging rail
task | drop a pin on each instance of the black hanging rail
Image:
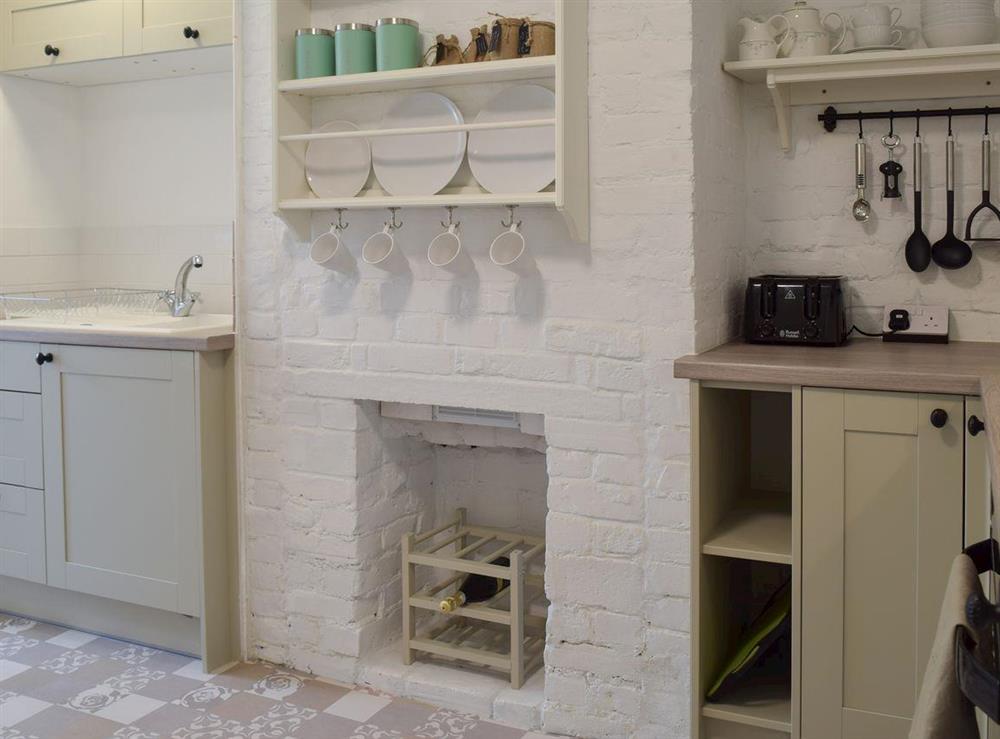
(830, 116)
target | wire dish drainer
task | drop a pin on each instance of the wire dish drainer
(501, 632)
(81, 303)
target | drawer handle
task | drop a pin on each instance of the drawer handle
(975, 425)
(939, 417)
(51, 50)
(191, 32)
(41, 358)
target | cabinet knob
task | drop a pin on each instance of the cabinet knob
(975, 425)
(939, 417)
(189, 32)
(43, 358)
(51, 50)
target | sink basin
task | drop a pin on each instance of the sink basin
(158, 324)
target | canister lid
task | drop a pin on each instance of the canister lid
(353, 27)
(313, 32)
(396, 22)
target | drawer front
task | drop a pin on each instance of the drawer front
(80, 29)
(22, 533)
(18, 370)
(21, 439)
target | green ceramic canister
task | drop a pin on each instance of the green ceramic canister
(397, 44)
(313, 53)
(355, 48)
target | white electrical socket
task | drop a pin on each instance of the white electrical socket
(927, 323)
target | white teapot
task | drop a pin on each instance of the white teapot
(761, 38)
(809, 34)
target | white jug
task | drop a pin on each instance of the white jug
(761, 38)
(809, 34)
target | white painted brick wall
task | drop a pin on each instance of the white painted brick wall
(798, 205)
(587, 339)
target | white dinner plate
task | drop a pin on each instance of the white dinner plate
(856, 49)
(338, 168)
(515, 160)
(419, 164)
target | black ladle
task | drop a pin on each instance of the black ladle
(950, 252)
(918, 246)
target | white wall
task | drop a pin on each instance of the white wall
(40, 168)
(115, 185)
(587, 339)
(798, 216)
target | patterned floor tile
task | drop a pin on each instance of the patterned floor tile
(63, 684)
(66, 723)
(71, 639)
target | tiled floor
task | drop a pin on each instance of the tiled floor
(59, 684)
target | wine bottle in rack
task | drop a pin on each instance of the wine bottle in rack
(476, 589)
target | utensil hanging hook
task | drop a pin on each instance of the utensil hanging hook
(861, 126)
(918, 122)
(340, 225)
(949, 121)
(510, 218)
(451, 217)
(391, 223)
(986, 122)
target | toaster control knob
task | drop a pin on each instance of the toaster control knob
(811, 330)
(766, 329)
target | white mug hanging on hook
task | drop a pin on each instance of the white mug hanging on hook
(508, 247)
(327, 246)
(446, 247)
(380, 248)
(809, 33)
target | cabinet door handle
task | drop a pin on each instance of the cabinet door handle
(939, 417)
(191, 32)
(51, 50)
(975, 425)
(43, 358)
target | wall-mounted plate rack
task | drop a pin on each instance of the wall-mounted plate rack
(566, 71)
(912, 74)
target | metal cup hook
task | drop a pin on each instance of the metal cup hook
(510, 218)
(392, 222)
(451, 217)
(340, 225)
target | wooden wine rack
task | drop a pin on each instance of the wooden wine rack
(509, 639)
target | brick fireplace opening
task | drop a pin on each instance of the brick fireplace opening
(418, 465)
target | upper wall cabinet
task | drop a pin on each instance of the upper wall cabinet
(168, 25)
(37, 33)
(43, 38)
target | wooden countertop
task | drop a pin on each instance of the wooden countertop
(864, 364)
(961, 367)
(197, 340)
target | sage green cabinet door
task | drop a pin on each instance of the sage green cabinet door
(122, 489)
(882, 519)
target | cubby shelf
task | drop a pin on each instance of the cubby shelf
(766, 705)
(440, 200)
(758, 528)
(876, 76)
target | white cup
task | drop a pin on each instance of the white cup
(875, 14)
(445, 247)
(508, 247)
(379, 247)
(326, 247)
(865, 36)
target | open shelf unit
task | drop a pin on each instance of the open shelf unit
(503, 632)
(566, 72)
(745, 545)
(912, 74)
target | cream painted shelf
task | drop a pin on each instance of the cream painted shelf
(766, 705)
(758, 528)
(508, 70)
(566, 72)
(913, 74)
